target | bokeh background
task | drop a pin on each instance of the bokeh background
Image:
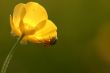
(83, 38)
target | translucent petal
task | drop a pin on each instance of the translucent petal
(35, 14)
(46, 33)
(18, 14)
(47, 29)
(14, 30)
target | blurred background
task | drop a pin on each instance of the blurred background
(83, 38)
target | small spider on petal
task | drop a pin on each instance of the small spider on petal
(30, 21)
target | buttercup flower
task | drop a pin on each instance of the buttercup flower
(31, 21)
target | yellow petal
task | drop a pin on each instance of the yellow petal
(48, 28)
(35, 14)
(14, 31)
(18, 15)
(45, 34)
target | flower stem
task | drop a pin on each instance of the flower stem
(9, 56)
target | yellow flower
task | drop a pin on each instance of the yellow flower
(31, 21)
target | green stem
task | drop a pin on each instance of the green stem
(9, 56)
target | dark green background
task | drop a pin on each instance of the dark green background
(83, 38)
